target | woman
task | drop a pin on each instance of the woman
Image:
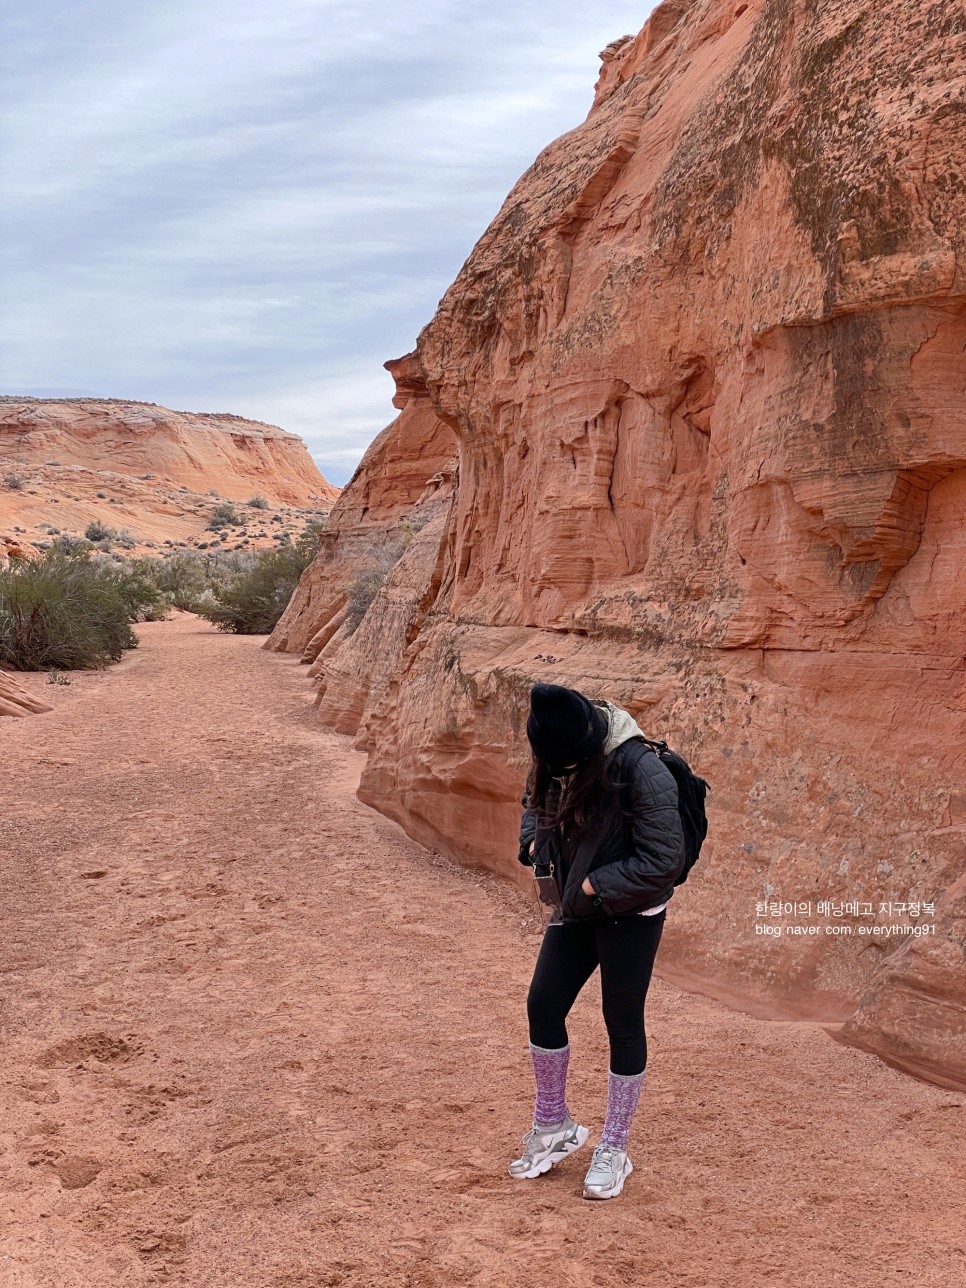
(601, 808)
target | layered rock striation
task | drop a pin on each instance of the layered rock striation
(360, 605)
(703, 377)
(15, 700)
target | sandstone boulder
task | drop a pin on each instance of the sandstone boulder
(15, 701)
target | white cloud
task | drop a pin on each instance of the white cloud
(338, 416)
(257, 205)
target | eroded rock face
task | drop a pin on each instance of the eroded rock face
(705, 372)
(384, 542)
(152, 472)
(912, 1011)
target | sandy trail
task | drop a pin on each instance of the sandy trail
(255, 1036)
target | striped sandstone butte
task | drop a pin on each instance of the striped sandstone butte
(143, 468)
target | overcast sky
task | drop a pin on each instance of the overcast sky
(231, 205)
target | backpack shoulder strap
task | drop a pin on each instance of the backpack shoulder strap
(633, 751)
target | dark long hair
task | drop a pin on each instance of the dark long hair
(588, 791)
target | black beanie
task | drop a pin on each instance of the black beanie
(563, 727)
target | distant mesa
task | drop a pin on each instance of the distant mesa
(153, 474)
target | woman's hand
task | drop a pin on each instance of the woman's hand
(588, 888)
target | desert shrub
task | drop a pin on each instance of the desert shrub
(362, 591)
(63, 611)
(184, 576)
(144, 599)
(371, 576)
(70, 545)
(13, 481)
(105, 538)
(258, 502)
(251, 601)
(256, 597)
(181, 577)
(222, 515)
(415, 522)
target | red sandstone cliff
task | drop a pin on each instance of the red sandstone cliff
(398, 503)
(704, 375)
(145, 469)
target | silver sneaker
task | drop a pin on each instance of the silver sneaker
(545, 1146)
(608, 1170)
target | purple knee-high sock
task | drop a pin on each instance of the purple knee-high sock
(623, 1093)
(550, 1074)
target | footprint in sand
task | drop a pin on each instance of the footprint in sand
(85, 1046)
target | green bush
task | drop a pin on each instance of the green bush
(182, 577)
(145, 600)
(222, 516)
(185, 577)
(70, 545)
(63, 611)
(106, 538)
(251, 601)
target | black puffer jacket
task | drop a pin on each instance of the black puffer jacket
(632, 860)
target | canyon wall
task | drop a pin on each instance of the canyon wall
(150, 471)
(703, 387)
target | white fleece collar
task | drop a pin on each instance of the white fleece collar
(621, 726)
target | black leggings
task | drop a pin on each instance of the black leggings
(624, 948)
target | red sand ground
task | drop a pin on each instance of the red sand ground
(254, 1035)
